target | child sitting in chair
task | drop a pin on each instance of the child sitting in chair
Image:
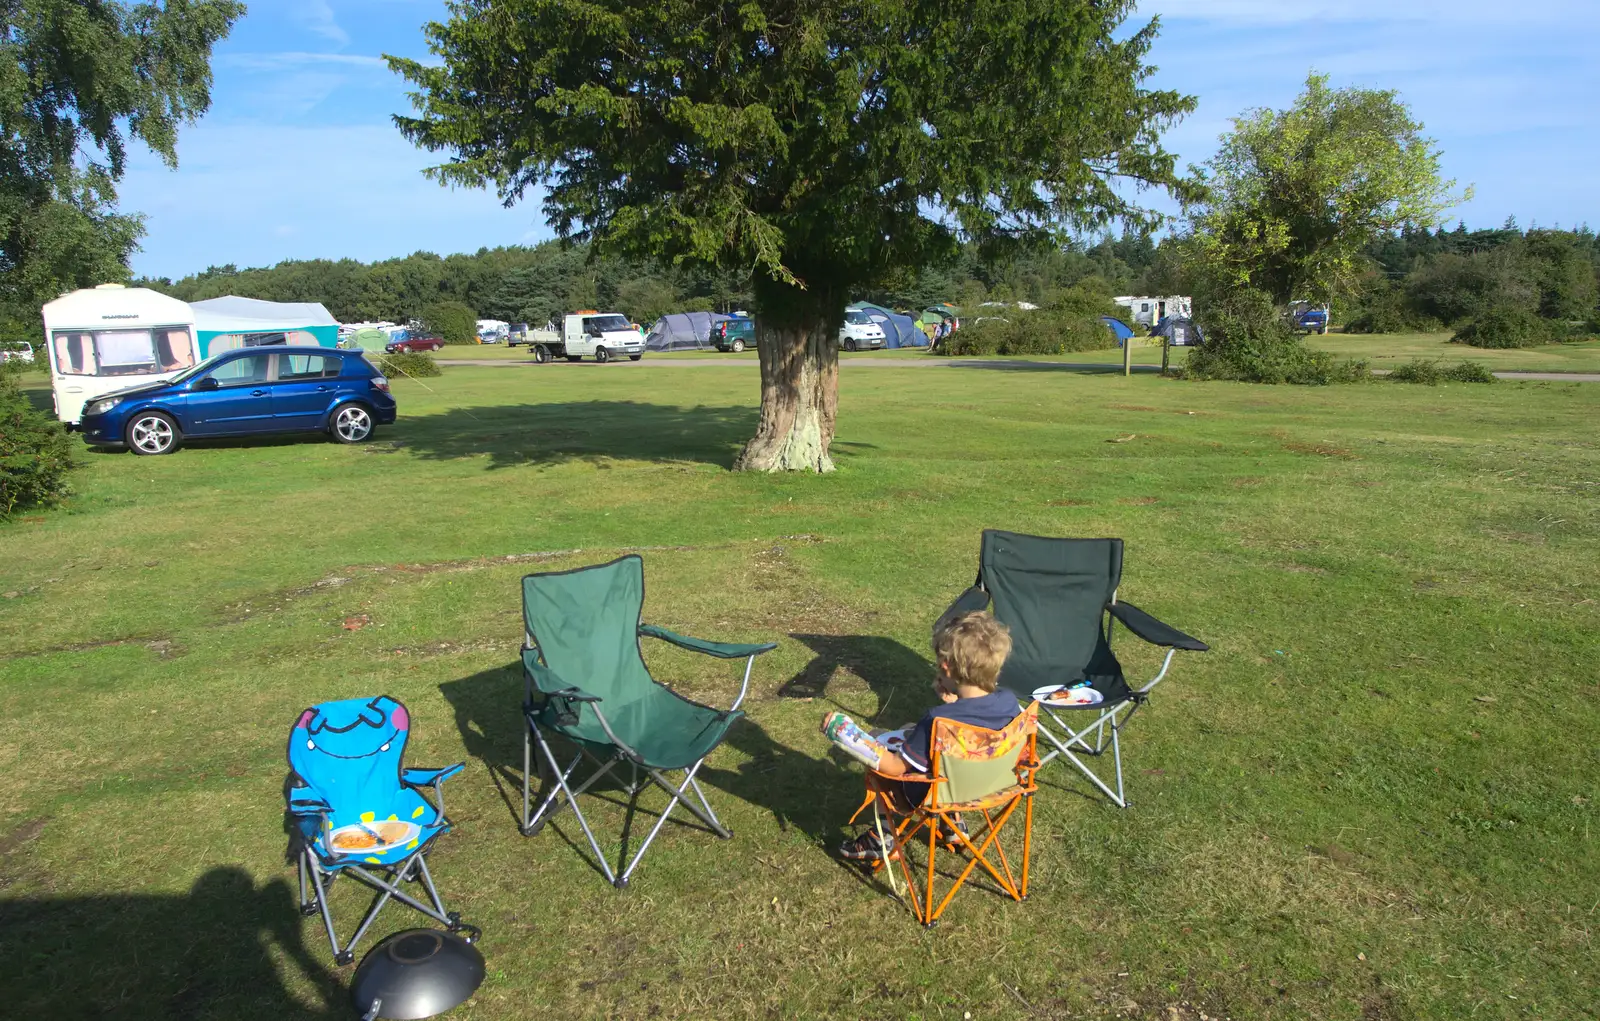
(969, 651)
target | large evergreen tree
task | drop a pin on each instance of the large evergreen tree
(79, 79)
(822, 147)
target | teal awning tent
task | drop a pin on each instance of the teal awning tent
(898, 330)
(230, 322)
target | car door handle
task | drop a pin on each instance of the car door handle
(322, 389)
(258, 393)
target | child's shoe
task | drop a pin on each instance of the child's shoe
(866, 848)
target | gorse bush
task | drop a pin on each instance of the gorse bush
(1069, 323)
(1430, 372)
(1509, 327)
(1247, 339)
(35, 452)
(408, 363)
(455, 321)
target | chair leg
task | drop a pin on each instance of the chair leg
(677, 797)
(341, 956)
(1076, 738)
(1027, 844)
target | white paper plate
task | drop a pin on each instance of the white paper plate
(1074, 696)
(410, 831)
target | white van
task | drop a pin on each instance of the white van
(110, 338)
(859, 332)
(600, 335)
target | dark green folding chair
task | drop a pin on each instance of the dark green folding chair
(587, 681)
(1059, 597)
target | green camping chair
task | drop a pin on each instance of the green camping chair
(587, 681)
(1059, 597)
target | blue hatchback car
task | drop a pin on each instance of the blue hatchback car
(250, 392)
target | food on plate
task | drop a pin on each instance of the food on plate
(354, 838)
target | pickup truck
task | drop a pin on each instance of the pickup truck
(1308, 318)
(598, 335)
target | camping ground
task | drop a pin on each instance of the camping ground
(1375, 798)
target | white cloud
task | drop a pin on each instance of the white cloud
(290, 60)
(316, 16)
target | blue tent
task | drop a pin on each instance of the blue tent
(898, 330)
(1120, 328)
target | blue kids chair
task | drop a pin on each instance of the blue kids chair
(359, 812)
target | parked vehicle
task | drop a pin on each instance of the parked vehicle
(1307, 317)
(599, 335)
(413, 344)
(21, 351)
(113, 337)
(1148, 311)
(734, 335)
(859, 332)
(254, 391)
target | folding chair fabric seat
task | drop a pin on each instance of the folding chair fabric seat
(1059, 597)
(346, 762)
(587, 681)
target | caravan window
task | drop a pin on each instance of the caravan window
(122, 352)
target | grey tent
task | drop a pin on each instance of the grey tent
(898, 330)
(684, 331)
(1179, 331)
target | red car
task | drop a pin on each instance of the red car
(425, 342)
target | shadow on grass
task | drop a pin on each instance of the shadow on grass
(204, 954)
(1082, 368)
(900, 678)
(524, 434)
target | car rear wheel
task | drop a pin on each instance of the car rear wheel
(738, 345)
(152, 433)
(601, 355)
(351, 423)
(540, 355)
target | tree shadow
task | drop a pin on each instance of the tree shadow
(1082, 368)
(596, 431)
(207, 954)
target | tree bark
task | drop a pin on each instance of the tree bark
(799, 399)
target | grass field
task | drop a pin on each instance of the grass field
(1374, 799)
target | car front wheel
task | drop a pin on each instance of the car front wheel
(351, 423)
(849, 345)
(152, 433)
(601, 355)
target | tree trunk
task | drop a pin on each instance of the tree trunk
(799, 399)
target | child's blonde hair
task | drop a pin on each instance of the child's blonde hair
(975, 645)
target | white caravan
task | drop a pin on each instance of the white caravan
(110, 338)
(1150, 311)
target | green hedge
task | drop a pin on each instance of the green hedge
(35, 452)
(1068, 324)
(1249, 340)
(1430, 372)
(408, 363)
(1508, 327)
(455, 321)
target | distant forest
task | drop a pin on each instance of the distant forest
(1417, 280)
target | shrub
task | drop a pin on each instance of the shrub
(452, 320)
(408, 363)
(1386, 310)
(35, 453)
(1068, 323)
(1509, 327)
(1247, 339)
(1429, 372)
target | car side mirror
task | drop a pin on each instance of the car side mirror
(204, 383)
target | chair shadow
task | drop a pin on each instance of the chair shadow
(207, 954)
(900, 678)
(558, 432)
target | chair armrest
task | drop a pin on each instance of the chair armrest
(430, 777)
(1154, 631)
(550, 683)
(974, 598)
(721, 650)
(308, 806)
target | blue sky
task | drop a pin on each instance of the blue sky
(298, 157)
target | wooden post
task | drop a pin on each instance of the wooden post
(1166, 348)
(1127, 355)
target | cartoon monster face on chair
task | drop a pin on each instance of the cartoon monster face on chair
(350, 749)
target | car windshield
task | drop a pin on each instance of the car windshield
(608, 324)
(855, 317)
(122, 352)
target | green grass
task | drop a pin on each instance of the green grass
(1387, 350)
(1375, 798)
